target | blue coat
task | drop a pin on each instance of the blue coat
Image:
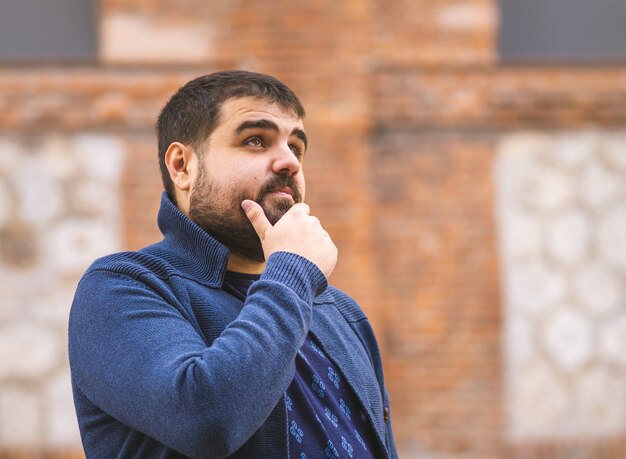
(167, 364)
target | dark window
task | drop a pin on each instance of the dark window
(562, 30)
(48, 30)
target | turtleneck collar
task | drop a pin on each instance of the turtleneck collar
(189, 248)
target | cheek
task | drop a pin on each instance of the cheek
(249, 185)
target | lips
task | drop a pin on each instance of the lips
(280, 186)
(284, 190)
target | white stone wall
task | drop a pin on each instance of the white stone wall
(59, 210)
(562, 221)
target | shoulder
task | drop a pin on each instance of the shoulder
(135, 270)
(131, 264)
(346, 305)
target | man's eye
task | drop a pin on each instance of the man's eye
(254, 142)
(296, 151)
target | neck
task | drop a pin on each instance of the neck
(243, 265)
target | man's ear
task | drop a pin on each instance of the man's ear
(181, 163)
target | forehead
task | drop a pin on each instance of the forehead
(236, 110)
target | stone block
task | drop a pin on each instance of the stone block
(39, 195)
(598, 288)
(27, 351)
(57, 157)
(601, 398)
(11, 298)
(60, 424)
(613, 342)
(598, 186)
(568, 339)
(615, 150)
(19, 417)
(520, 344)
(525, 234)
(6, 204)
(568, 236)
(611, 236)
(573, 149)
(51, 302)
(548, 188)
(93, 198)
(540, 401)
(20, 249)
(534, 286)
(99, 156)
(12, 153)
(74, 243)
(530, 178)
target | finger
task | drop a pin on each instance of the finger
(301, 207)
(257, 217)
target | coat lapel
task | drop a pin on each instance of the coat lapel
(329, 326)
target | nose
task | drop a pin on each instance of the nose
(285, 161)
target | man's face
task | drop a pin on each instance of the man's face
(256, 153)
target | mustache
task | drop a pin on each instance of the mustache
(277, 182)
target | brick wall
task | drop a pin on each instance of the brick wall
(407, 110)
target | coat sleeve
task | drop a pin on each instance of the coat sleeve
(137, 356)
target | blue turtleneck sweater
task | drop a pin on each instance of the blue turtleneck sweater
(166, 363)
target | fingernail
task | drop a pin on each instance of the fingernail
(246, 204)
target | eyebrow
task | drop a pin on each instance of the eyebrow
(270, 126)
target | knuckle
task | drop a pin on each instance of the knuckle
(254, 216)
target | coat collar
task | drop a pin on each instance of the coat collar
(188, 248)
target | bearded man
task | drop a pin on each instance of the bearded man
(225, 339)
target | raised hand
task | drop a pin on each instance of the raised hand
(296, 232)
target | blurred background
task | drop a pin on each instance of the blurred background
(467, 157)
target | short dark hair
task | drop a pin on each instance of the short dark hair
(193, 112)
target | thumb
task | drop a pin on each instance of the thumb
(257, 217)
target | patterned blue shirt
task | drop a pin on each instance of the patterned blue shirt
(325, 418)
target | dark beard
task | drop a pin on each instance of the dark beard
(227, 222)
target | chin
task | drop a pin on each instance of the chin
(276, 210)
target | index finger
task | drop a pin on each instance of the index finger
(301, 207)
(257, 217)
